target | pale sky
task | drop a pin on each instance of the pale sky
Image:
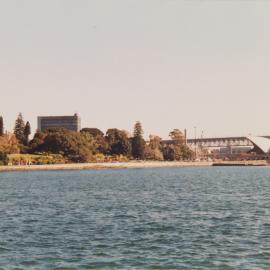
(168, 63)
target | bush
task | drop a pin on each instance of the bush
(75, 147)
(3, 159)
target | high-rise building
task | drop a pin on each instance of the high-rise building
(72, 123)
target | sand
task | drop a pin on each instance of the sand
(111, 165)
(130, 165)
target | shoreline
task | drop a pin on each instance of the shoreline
(110, 165)
(128, 165)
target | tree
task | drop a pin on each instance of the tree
(138, 143)
(177, 136)
(19, 129)
(27, 132)
(169, 153)
(76, 147)
(9, 144)
(35, 145)
(177, 150)
(153, 150)
(98, 135)
(118, 142)
(95, 132)
(1, 126)
(3, 159)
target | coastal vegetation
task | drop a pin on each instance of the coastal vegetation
(8, 145)
(178, 149)
(1, 126)
(138, 143)
(58, 145)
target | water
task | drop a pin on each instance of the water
(193, 218)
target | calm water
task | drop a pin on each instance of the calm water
(199, 218)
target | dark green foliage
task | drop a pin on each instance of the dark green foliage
(98, 135)
(118, 142)
(95, 132)
(36, 143)
(1, 126)
(76, 147)
(91, 142)
(153, 150)
(138, 131)
(27, 132)
(187, 153)
(177, 150)
(138, 143)
(177, 137)
(19, 129)
(3, 159)
(168, 152)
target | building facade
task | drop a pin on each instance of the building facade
(230, 147)
(72, 123)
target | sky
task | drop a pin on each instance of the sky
(167, 63)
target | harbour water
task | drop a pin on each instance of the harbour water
(175, 218)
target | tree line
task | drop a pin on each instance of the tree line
(91, 144)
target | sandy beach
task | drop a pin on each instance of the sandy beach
(129, 165)
(112, 165)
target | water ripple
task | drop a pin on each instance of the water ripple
(193, 218)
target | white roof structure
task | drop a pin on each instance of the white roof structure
(261, 142)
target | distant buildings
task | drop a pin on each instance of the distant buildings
(229, 147)
(72, 123)
(261, 144)
(223, 147)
